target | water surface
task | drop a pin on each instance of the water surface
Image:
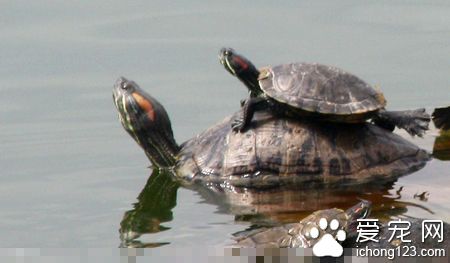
(69, 171)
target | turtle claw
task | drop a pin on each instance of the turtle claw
(237, 125)
(416, 122)
(415, 131)
(418, 129)
(419, 122)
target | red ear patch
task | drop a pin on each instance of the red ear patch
(145, 105)
(241, 62)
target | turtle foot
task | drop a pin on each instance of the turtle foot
(238, 125)
(415, 122)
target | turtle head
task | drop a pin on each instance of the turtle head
(146, 120)
(359, 211)
(242, 68)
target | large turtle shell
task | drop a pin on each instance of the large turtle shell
(283, 150)
(320, 89)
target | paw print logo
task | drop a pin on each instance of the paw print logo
(327, 244)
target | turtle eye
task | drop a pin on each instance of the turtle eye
(128, 85)
(125, 85)
(227, 51)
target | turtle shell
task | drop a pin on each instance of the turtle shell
(278, 150)
(295, 235)
(320, 89)
(301, 234)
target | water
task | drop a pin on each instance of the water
(68, 170)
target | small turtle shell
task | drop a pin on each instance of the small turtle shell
(320, 89)
(294, 235)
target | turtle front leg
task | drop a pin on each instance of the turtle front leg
(248, 109)
(415, 122)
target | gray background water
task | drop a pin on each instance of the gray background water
(69, 171)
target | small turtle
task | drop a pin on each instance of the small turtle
(277, 150)
(309, 231)
(306, 233)
(321, 92)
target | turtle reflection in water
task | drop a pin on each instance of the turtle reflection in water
(275, 151)
(154, 207)
(158, 198)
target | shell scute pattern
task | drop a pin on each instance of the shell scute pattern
(320, 88)
(276, 149)
(240, 155)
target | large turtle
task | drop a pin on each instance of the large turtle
(319, 91)
(277, 150)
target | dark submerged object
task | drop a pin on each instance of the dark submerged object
(274, 151)
(441, 147)
(318, 91)
(441, 118)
